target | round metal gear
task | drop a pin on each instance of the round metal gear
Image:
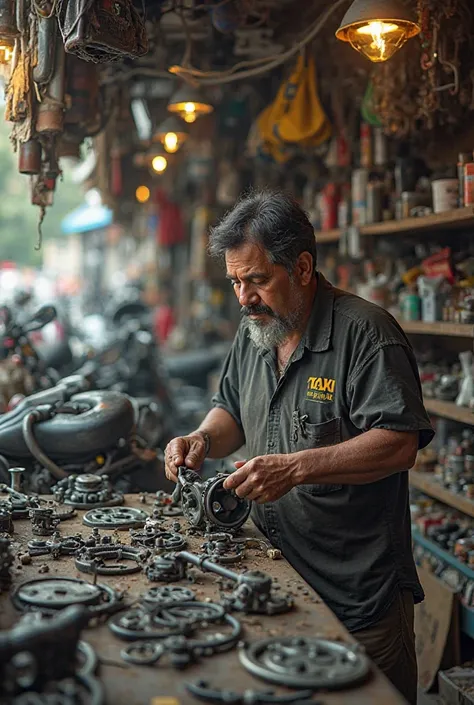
(165, 594)
(87, 491)
(157, 538)
(57, 593)
(115, 518)
(305, 662)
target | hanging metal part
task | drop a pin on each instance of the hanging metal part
(50, 118)
(208, 503)
(305, 662)
(87, 491)
(96, 559)
(202, 690)
(51, 594)
(121, 518)
(46, 50)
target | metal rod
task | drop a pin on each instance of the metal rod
(15, 478)
(208, 566)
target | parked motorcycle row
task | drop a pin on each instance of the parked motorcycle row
(107, 409)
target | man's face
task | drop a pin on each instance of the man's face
(272, 301)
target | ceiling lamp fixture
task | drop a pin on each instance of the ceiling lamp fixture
(189, 104)
(172, 134)
(159, 164)
(8, 31)
(377, 28)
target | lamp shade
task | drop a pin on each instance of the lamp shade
(189, 103)
(377, 28)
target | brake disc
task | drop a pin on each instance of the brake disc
(305, 662)
(167, 593)
(115, 518)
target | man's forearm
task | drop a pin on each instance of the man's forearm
(225, 434)
(367, 458)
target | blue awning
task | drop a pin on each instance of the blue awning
(86, 218)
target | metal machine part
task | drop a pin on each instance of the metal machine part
(6, 517)
(305, 662)
(121, 518)
(166, 505)
(182, 650)
(221, 548)
(207, 504)
(172, 619)
(202, 690)
(167, 593)
(156, 538)
(43, 521)
(255, 592)
(165, 568)
(95, 559)
(15, 478)
(20, 502)
(43, 661)
(87, 491)
(51, 594)
(6, 562)
(56, 546)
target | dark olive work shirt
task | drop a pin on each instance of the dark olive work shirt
(354, 370)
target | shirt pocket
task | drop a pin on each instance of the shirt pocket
(305, 436)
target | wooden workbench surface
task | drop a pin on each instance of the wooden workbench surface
(133, 685)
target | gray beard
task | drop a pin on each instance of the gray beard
(272, 334)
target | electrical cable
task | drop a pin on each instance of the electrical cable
(32, 445)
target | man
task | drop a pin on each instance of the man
(323, 389)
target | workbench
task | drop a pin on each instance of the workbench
(137, 685)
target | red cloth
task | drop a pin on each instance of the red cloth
(164, 323)
(170, 226)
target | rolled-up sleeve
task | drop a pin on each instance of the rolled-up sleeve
(228, 396)
(386, 393)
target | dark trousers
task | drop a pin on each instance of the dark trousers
(390, 643)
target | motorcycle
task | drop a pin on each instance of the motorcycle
(72, 429)
(22, 371)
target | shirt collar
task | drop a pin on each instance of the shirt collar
(317, 337)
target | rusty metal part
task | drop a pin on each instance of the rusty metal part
(43, 521)
(305, 662)
(95, 560)
(46, 51)
(51, 594)
(56, 546)
(166, 505)
(87, 491)
(207, 504)
(6, 517)
(50, 116)
(202, 690)
(151, 537)
(254, 593)
(165, 568)
(121, 518)
(181, 651)
(6, 562)
(43, 661)
(167, 593)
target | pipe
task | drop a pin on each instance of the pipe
(32, 444)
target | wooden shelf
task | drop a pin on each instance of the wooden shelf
(449, 410)
(456, 219)
(458, 330)
(425, 482)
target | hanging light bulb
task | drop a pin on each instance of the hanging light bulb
(8, 31)
(189, 104)
(172, 134)
(377, 28)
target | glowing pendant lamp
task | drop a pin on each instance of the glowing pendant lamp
(8, 30)
(189, 104)
(172, 133)
(377, 28)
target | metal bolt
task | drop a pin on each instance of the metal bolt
(15, 478)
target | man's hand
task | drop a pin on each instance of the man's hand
(265, 478)
(187, 450)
